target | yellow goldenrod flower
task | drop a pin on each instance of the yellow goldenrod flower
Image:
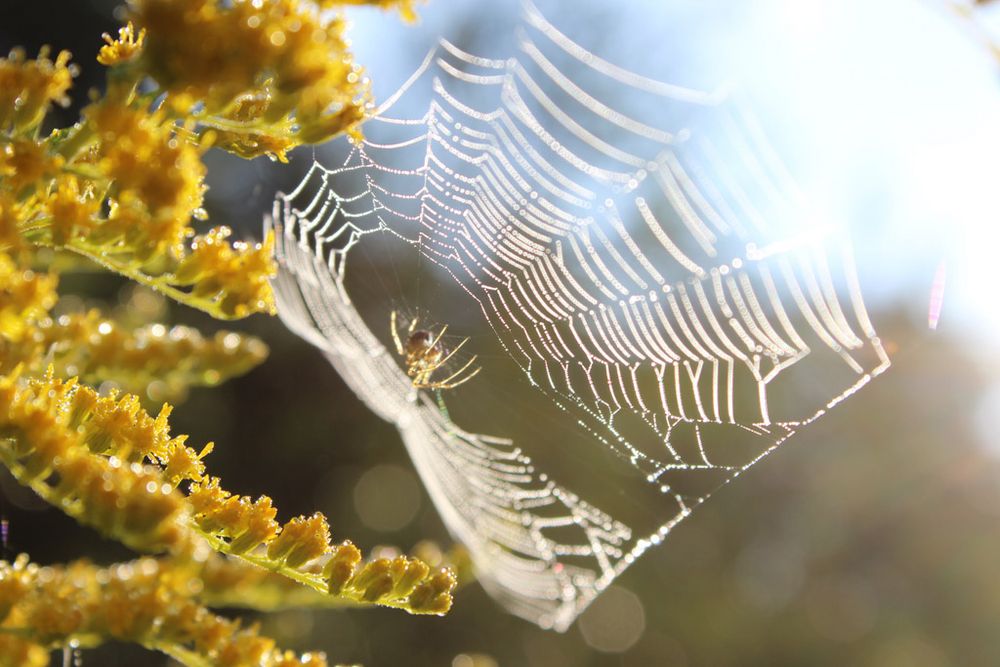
(341, 567)
(148, 162)
(25, 298)
(252, 144)
(301, 540)
(123, 49)
(12, 213)
(130, 227)
(282, 52)
(53, 434)
(234, 275)
(111, 458)
(153, 360)
(147, 602)
(25, 162)
(28, 87)
(247, 529)
(258, 526)
(71, 209)
(181, 463)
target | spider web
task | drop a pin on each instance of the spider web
(639, 252)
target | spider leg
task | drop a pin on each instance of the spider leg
(442, 362)
(437, 339)
(447, 382)
(395, 334)
(413, 325)
(452, 385)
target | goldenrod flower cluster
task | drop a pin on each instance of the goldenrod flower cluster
(29, 87)
(124, 184)
(231, 582)
(54, 434)
(303, 551)
(108, 463)
(151, 358)
(148, 602)
(119, 469)
(26, 297)
(122, 188)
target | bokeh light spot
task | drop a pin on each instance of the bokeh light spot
(614, 621)
(387, 498)
(473, 660)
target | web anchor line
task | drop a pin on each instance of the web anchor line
(664, 285)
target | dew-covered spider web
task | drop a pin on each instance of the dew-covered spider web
(654, 305)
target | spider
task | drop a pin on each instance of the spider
(424, 353)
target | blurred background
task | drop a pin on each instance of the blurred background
(871, 538)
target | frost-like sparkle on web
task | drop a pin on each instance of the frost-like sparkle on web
(653, 273)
